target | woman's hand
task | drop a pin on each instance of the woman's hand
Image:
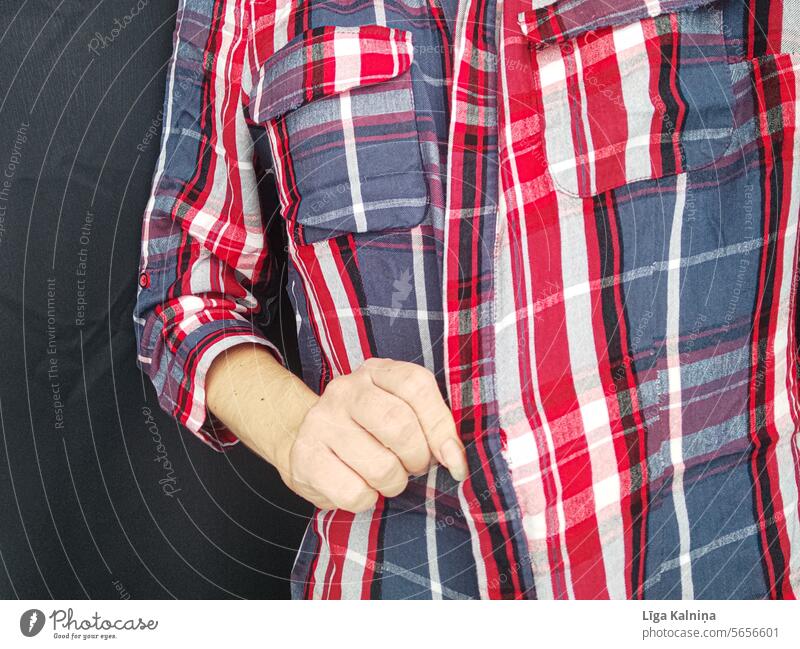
(363, 437)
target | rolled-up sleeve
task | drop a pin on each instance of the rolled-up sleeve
(206, 279)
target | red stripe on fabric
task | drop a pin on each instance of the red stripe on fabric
(580, 141)
(761, 481)
(654, 54)
(562, 411)
(786, 87)
(775, 26)
(608, 118)
(341, 524)
(766, 144)
(288, 186)
(328, 318)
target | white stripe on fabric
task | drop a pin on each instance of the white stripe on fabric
(587, 130)
(221, 184)
(638, 111)
(790, 42)
(654, 8)
(333, 280)
(430, 534)
(353, 175)
(785, 382)
(380, 12)
(283, 11)
(591, 397)
(357, 546)
(521, 452)
(477, 555)
(675, 411)
(346, 61)
(324, 555)
(421, 293)
(558, 141)
(315, 309)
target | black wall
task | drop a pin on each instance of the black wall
(101, 494)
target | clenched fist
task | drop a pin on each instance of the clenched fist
(363, 437)
(368, 432)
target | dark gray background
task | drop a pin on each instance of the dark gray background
(83, 508)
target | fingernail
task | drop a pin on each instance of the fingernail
(453, 457)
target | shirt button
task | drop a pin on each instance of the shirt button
(144, 280)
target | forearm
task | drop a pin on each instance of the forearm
(260, 401)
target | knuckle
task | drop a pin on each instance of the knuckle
(417, 460)
(420, 381)
(311, 422)
(336, 387)
(383, 470)
(397, 424)
(400, 417)
(372, 361)
(303, 459)
(395, 487)
(358, 500)
(366, 401)
(443, 427)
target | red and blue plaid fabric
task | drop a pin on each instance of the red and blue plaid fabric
(581, 215)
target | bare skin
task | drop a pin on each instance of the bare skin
(363, 437)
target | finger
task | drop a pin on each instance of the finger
(315, 497)
(418, 388)
(379, 467)
(337, 482)
(394, 424)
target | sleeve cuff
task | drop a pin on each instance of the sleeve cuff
(190, 406)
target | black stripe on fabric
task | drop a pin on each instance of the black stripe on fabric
(346, 247)
(756, 15)
(669, 41)
(314, 69)
(376, 585)
(302, 17)
(624, 375)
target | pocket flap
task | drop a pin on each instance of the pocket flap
(641, 101)
(326, 61)
(563, 20)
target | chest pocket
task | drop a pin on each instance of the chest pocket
(339, 106)
(628, 97)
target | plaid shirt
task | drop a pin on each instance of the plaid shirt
(581, 215)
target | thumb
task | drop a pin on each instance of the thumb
(446, 446)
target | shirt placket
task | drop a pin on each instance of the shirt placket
(470, 232)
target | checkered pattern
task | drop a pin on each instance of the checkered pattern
(595, 142)
(581, 216)
(356, 93)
